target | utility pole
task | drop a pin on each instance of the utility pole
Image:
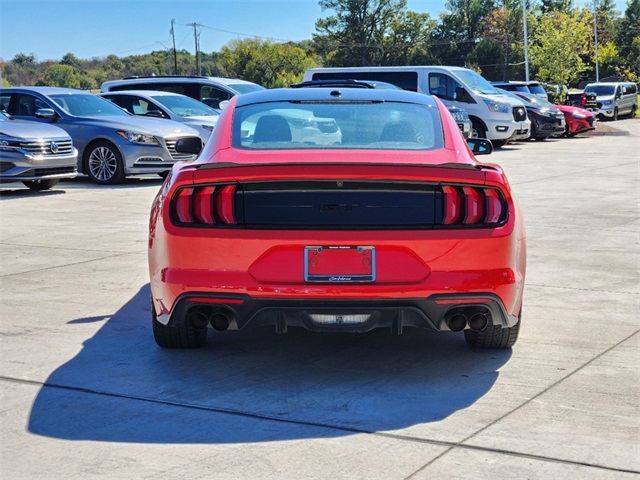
(175, 55)
(595, 34)
(196, 36)
(526, 42)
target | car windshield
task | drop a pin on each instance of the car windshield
(337, 125)
(601, 90)
(476, 82)
(86, 105)
(185, 106)
(245, 87)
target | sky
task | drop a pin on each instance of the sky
(97, 28)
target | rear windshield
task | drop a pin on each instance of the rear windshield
(601, 90)
(337, 125)
(537, 89)
(243, 88)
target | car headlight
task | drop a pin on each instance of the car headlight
(136, 137)
(497, 106)
(578, 115)
(607, 102)
(7, 143)
(208, 127)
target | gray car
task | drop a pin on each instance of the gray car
(35, 154)
(111, 143)
(172, 106)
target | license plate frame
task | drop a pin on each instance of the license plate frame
(339, 264)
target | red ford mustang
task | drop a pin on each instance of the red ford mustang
(336, 210)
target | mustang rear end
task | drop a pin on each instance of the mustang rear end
(336, 239)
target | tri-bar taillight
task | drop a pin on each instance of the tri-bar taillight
(387, 205)
(206, 205)
(467, 205)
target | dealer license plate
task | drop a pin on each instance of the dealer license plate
(339, 264)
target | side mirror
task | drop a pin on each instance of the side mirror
(618, 95)
(154, 113)
(46, 113)
(191, 145)
(480, 146)
(223, 104)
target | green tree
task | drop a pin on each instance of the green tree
(628, 37)
(60, 76)
(560, 40)
(353, 35)
(264, 62)
(71, 60)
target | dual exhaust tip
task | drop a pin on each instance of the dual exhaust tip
(200, 318)
(476, 322)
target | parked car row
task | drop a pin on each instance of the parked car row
(125, 132)
(136, 130)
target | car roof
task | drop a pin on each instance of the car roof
(515, 82)
(47, 90)
(144, 93)
(191, 79)
(334, 94)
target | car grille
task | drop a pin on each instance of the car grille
(171, 146)
(61, 147)
(327, 127)
(519, 114)
(351, 206)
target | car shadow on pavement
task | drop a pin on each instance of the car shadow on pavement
(255, 385)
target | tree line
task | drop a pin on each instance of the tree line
(485, 35)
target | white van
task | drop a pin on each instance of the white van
(615, 98)
(494, 116)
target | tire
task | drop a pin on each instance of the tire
(615, 114)
(633, 111)
(41, 184)
(164, 174)
(103, 164)
(180, 336)
(498, 143)
(493, 336)
(477, 130)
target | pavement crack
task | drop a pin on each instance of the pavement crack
(462, 444)
(37, 270)
(407, 438)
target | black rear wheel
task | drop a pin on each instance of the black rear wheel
(493, 336)
(180, 336)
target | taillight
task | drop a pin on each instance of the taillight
(466, 205)
(583, 99)
(207, 205)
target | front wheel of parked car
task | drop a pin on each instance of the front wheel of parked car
(103, 163)
(179, 336)
(493, 336)
(477, 130)
(41, 184)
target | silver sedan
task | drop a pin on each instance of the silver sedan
(111, 143)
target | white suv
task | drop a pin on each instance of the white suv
(209, 90)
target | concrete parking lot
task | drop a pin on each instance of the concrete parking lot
(87, 394)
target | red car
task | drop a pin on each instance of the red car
(578, 120)
(336, 209)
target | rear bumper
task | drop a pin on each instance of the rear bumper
(345, 315)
